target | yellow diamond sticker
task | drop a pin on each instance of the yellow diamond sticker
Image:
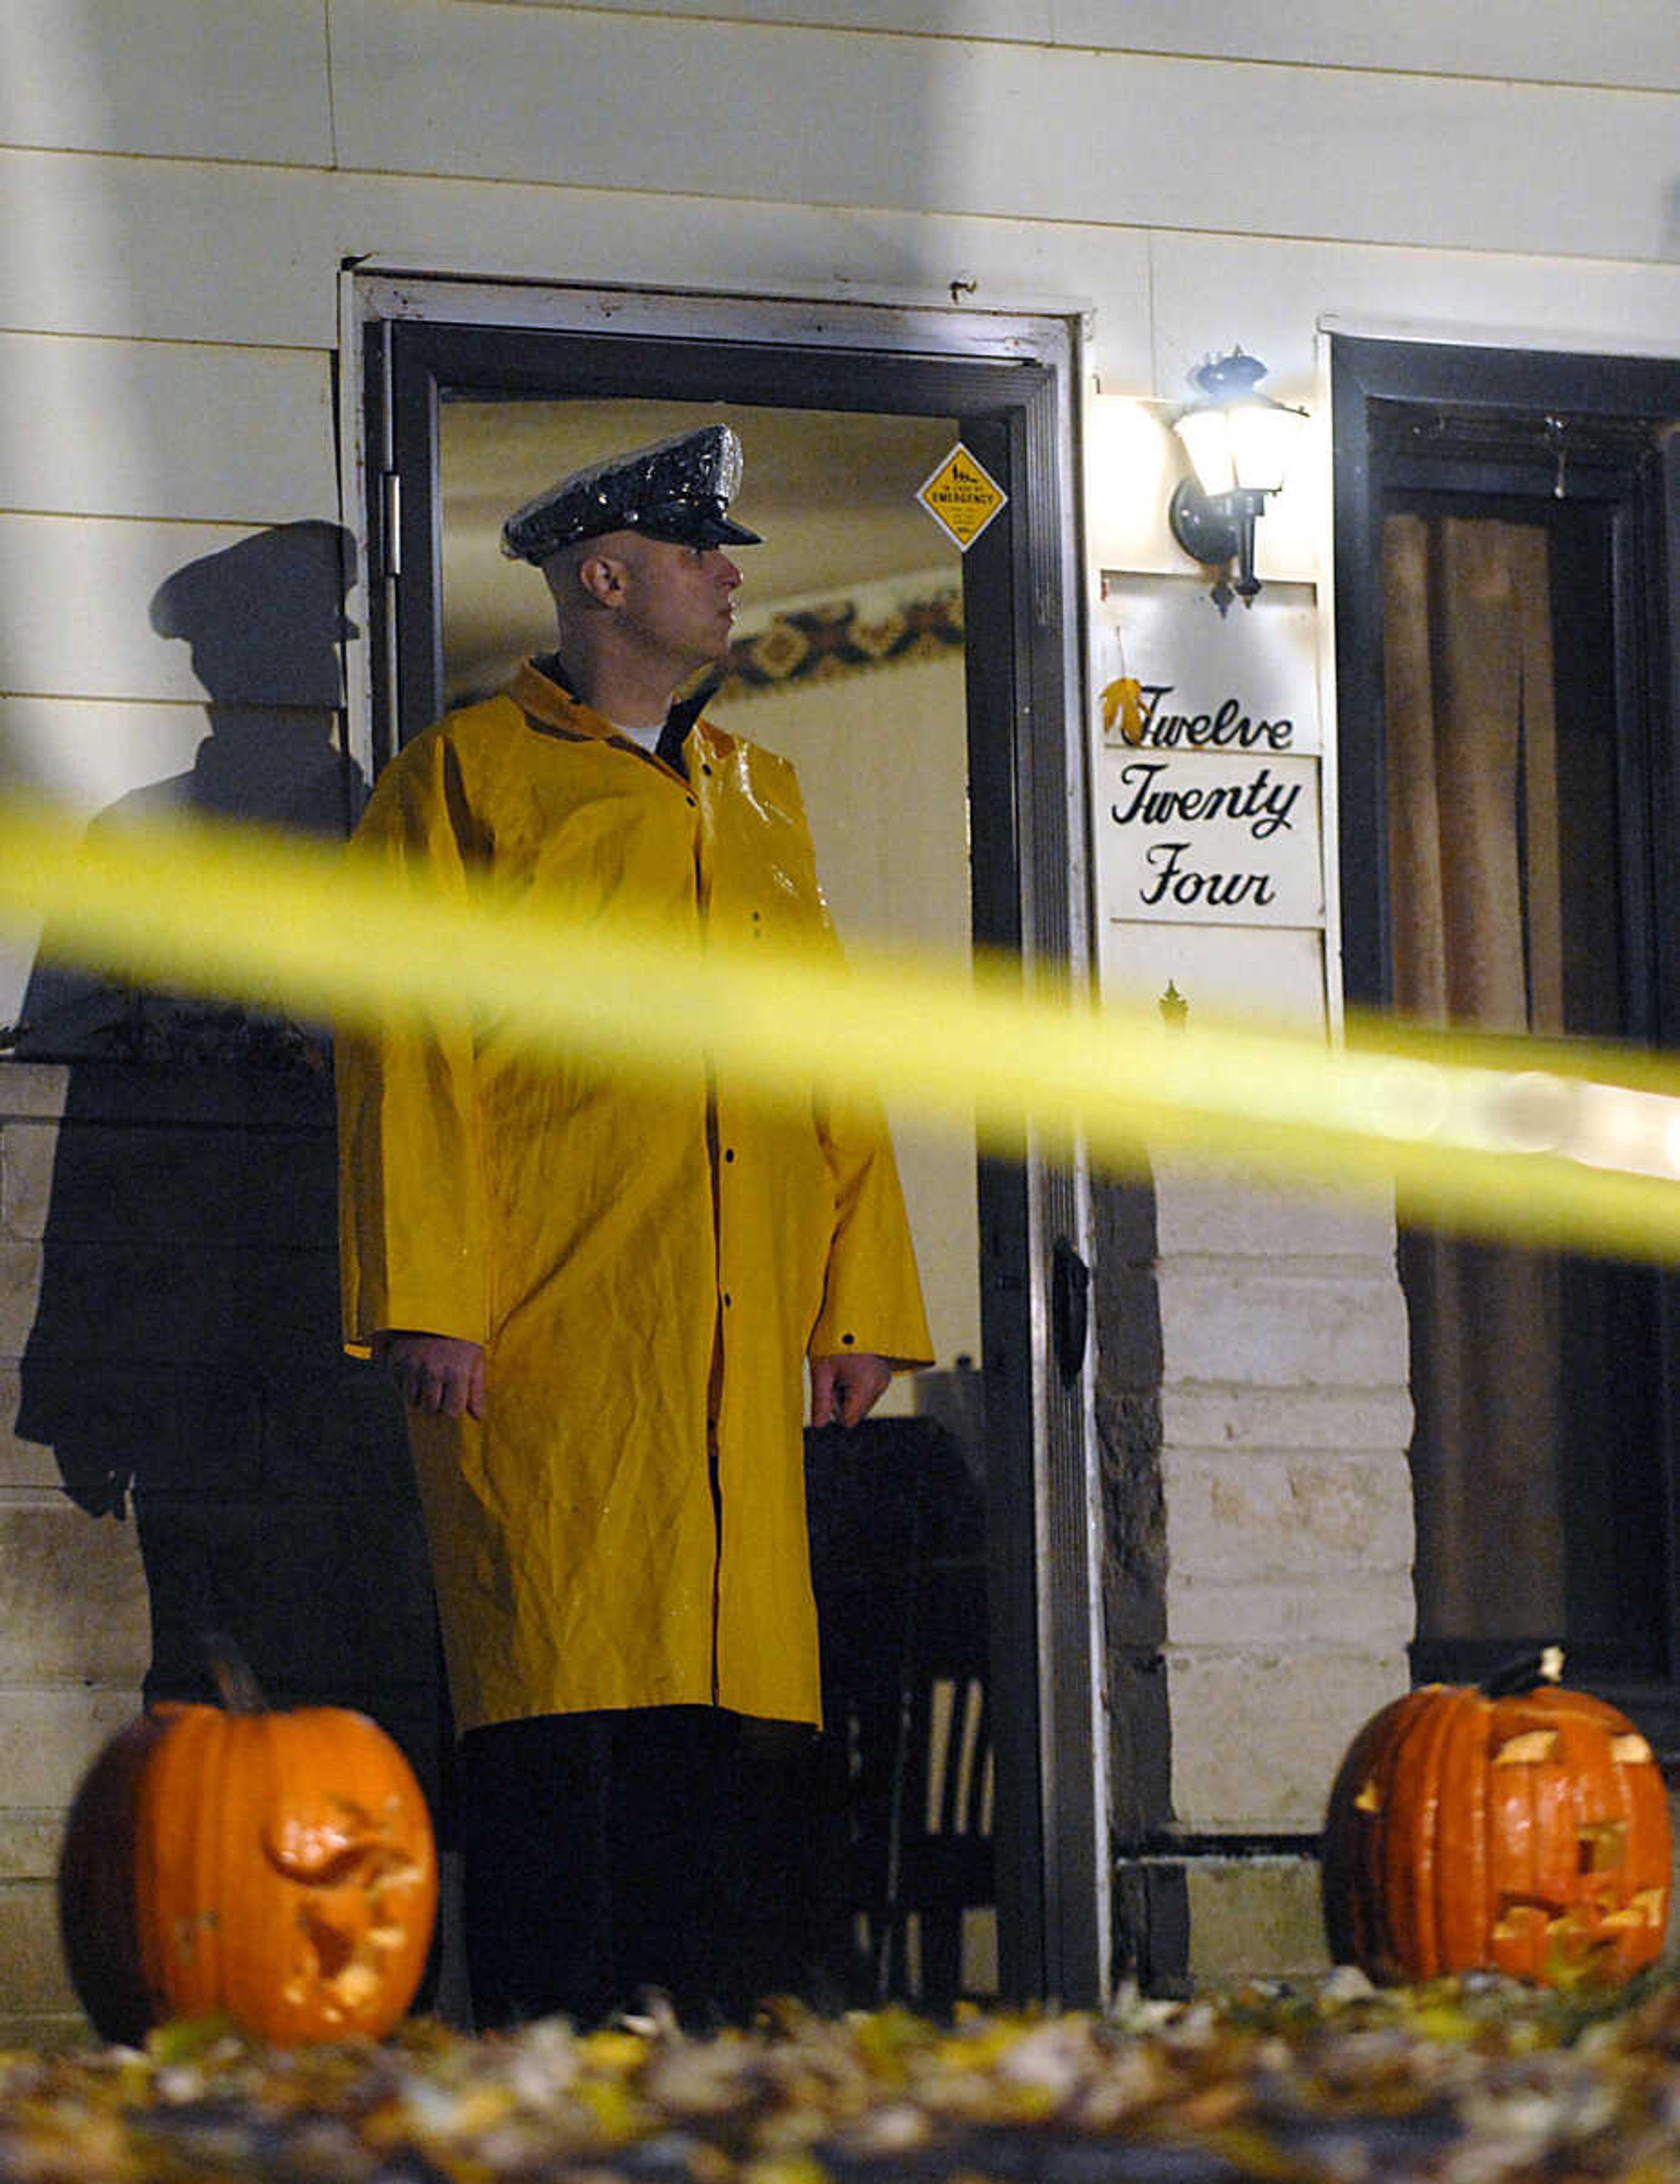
(961, 498)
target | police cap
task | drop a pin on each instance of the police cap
(678, 488)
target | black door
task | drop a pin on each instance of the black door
(1524, 505)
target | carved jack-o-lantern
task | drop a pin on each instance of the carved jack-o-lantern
(279, 1866)
(1525, 1833)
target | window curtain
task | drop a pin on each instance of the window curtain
(1475, 901)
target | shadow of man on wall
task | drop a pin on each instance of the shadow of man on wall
(264, 624)
(184, 1362)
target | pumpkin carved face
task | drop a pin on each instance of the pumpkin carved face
(279, 1866)
(1527, 1834)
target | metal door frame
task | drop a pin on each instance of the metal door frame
(1010, 377)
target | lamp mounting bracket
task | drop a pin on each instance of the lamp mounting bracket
(1203, 527)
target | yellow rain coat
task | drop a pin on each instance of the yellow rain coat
(646, 1265)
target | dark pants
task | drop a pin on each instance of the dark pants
(605, 1855)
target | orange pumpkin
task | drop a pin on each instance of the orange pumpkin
(278, 1866)
(1524, 1832)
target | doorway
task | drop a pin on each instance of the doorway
(467, 401)
(1505, 537)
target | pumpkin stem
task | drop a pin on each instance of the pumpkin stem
(240, 1691)
(1524, 1673)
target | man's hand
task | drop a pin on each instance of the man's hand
(440, 1373)
(847, 1387)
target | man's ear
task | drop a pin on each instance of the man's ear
(601, 577)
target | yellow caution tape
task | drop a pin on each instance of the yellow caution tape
(1576, 1148)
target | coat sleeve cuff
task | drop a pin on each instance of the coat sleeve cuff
(894, 1327)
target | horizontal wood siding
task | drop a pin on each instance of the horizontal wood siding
(76, 606)
(1282, 288)
(166, 250)
(92, 751)
(131, 428)
(1617, 41)
(973, 126)
(177, 79)
(181, 181)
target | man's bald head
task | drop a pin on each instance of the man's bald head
(635, 615)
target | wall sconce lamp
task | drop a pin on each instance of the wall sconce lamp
(1239, 441)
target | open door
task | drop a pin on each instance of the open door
(464, 415)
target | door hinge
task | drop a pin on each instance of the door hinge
(390, 523)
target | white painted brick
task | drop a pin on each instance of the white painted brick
(50, 1736)
(29, 1844)
(18, 944)
(1196, 1213)
(23, 1464)
(1257, 1737)
(27, 1151)
(33, 1091)
(1371, 1608)
(36, 1980)
(1255, 1419)
(45, 2032)
(1298, 1515)
(74, 1604)
(1277, 1330)
(20, 1270)
(1254, 1917)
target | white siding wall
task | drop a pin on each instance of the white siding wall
(181, 181)
(1003, 130)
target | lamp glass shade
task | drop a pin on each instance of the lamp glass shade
(1206, 435)
(1262, 440)
(1240, 446)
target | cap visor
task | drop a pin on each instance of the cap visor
(693, 530)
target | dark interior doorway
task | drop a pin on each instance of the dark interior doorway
(849, 661)
(1010, 411)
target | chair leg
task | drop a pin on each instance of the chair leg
(941, 1943)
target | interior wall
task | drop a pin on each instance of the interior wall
(883, 760)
